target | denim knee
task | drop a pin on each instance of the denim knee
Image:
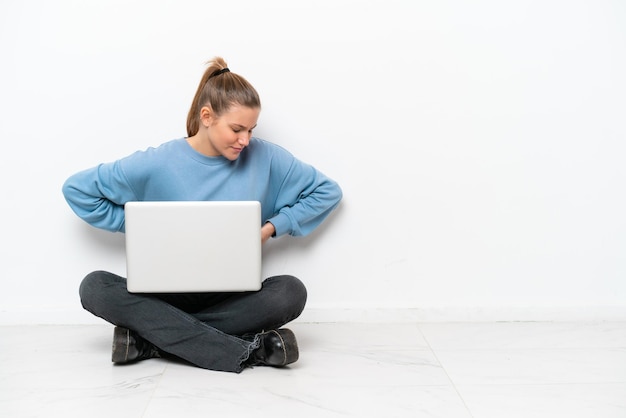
(292, 294)
(92, 289)
(298, 293)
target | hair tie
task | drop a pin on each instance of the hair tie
(218, 72)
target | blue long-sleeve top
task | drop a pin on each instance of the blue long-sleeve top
(295, 197)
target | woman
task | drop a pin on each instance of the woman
(218, 160)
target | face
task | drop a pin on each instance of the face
(229, 133)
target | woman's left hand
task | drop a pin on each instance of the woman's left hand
(267, 231)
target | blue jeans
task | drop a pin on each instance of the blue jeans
(210, 330)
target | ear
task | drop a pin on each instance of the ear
(206, 116)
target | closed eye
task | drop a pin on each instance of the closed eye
(239, 128)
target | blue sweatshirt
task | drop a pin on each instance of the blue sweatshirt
(294, 196)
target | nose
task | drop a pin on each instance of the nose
(244, 139)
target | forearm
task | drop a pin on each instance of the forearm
(309, 211)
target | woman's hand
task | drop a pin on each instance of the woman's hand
(267, 231)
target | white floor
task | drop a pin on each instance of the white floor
(449, 370)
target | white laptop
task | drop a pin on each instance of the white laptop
(174, 247)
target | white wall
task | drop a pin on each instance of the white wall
(480, 145)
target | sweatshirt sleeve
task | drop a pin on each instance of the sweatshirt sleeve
(306, 197)
(97, 195)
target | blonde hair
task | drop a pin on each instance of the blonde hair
(220, 89)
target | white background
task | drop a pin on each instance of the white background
(480, 145)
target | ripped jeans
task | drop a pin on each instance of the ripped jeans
(205, 329)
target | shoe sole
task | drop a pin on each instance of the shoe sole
(121, 343)
(290, 345)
